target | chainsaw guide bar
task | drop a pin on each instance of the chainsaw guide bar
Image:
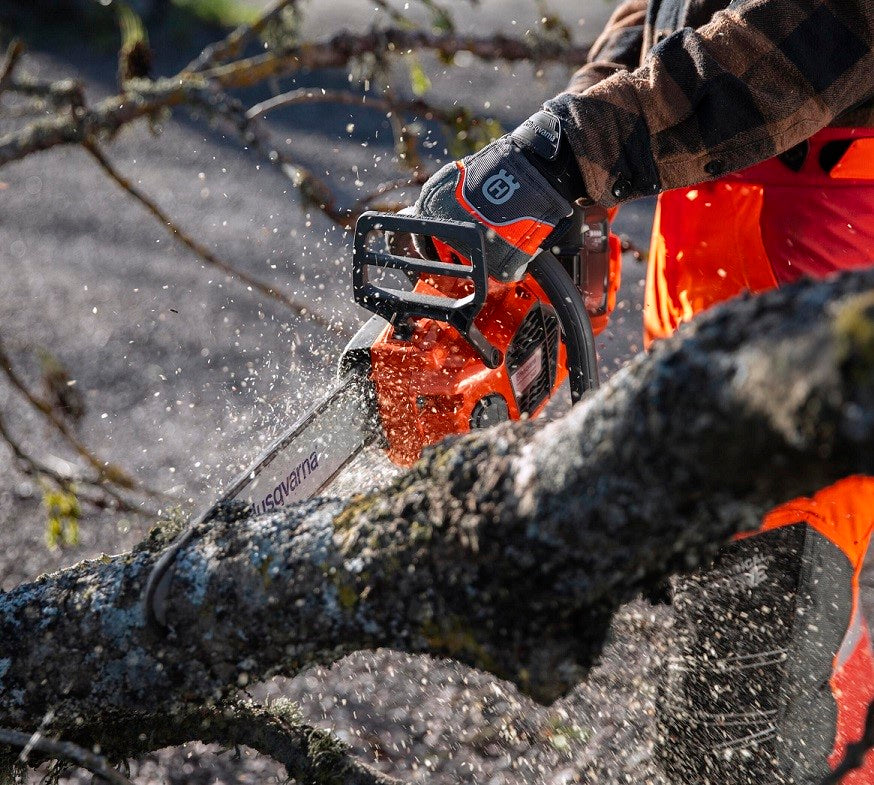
(295, 467)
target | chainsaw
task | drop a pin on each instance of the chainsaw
(448, 350)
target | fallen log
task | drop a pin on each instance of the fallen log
(508, 549)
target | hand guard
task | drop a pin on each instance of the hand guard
(520, 186)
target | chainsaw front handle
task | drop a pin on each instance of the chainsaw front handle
(399, 307)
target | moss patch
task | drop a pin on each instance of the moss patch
(358, 506)
(456, 639)
(854, 331)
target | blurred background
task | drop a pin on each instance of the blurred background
(155, 368)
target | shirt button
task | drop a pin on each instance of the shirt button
(714, 167)
(621, 188)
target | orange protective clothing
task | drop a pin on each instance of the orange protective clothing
(810, 212)
(843, 513)
(762, 226)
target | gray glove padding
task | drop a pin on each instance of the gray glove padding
(519, 187)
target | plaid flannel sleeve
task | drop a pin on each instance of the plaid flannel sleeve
(762, 76)
(618, 48)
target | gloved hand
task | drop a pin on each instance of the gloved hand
(520, 187)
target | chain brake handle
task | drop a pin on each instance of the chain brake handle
(400, 307)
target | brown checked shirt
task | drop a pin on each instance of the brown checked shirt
(681, 91)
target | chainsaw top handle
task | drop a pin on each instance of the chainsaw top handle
(400, 307)
(397, 306)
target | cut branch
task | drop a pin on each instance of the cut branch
(508, 549)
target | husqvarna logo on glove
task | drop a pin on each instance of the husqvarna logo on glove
(500, 187)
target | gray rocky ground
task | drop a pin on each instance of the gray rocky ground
(185, 373)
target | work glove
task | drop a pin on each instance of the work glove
(519, 187)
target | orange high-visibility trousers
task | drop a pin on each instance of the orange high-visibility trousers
(769, 224)
(843, 514)
(774, 669)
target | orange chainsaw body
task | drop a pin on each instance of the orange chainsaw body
(428, 386)
(502, 359)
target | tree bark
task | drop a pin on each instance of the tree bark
(507, 549)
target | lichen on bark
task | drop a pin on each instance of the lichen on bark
(508, 549)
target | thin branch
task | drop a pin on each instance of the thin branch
(108, 498)
(201, 251)
(307, 95)
(106, 471)
(63, 750)
(236, 41)
(13, 54)
(29, 464)
(314, 190)
(343, 47)
(59, 93)
(145, 98)
(393, 105)
(417, 107)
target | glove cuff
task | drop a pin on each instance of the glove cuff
(544, 143)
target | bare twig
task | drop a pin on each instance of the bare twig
(307, 95)
(391, 104)
(232, 45)
(59, 93)
(63, 750)
(144, 98)
(106, 471)
(13, 54)
(201, 251)
(343, 47)
(314, 190)
(106, 497)
(418, 107)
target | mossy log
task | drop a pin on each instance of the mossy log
(508, 549)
